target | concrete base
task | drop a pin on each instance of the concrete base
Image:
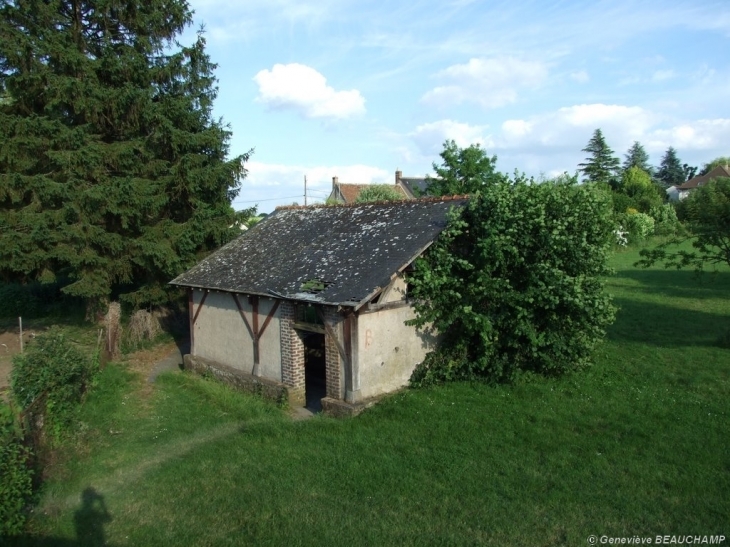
(268, 389)
(338, 408)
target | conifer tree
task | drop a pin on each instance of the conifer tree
(601, 166)
(636, 156)
(114, 175)
(670, 171)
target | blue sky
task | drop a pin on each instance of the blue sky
(359, 89)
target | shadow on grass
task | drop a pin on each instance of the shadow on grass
(679, 283)
(666, 326)
(89, 522)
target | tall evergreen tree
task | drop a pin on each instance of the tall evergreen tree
(114, 175)
(463, 171)
(670, 171)
(601, 166)
(636, 156)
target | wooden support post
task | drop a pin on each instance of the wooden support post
(254, 331)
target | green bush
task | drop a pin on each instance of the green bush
(665, 220)
(16, 485)
(638, 225)
(514, 283)
(379, 192)
(52, 375)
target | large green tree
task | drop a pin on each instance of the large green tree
(515, 282)
(463, 171)
(707, 218)
(671, 171)
(636, 156)
(637, 184)
(601, 166)
(114, 175)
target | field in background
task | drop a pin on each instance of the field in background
(636, 446)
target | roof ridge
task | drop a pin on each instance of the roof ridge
(434, 199)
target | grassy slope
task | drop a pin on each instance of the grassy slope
(638, 445)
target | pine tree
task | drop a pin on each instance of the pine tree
(601, 166)
(670, 171)
(113, 173)
(637, 157)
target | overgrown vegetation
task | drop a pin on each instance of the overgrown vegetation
(49, 381)
(513, 285)
(16, 475)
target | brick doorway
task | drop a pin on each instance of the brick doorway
(315, 369)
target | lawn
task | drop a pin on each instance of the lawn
(639, 445)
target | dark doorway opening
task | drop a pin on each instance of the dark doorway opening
(315, 384)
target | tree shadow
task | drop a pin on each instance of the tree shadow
(680, 283)
(666, 326)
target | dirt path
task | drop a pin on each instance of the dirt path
(9, 346)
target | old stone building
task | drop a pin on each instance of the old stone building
(311, 303)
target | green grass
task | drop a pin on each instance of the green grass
(637, 445)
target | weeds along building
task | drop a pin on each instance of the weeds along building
(311, 303)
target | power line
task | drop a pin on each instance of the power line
(267, 199)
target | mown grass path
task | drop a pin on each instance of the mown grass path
(636, 446)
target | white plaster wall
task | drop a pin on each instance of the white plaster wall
(396, 292)
(387, 350)
(221, 335)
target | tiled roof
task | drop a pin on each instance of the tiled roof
(341, 254)
(717, 172)
(416, 186)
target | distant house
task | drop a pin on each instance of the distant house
(408, 187)
(683, 190)
(311, 302)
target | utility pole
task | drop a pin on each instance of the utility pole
(305, 190)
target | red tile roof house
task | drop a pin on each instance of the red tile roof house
(408, 187)
(309, 305)
(683, 190)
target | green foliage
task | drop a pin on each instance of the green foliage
(671, 172)
(665, 218)
(50, 378)
(637, 157)
(601, 166)
(721, 160)
(378, 192)
(707, 214)
(32, 300)
(514, 283)
(16, 485)
(113, 171)
(637, 184)
(639, 225)
(463, 171)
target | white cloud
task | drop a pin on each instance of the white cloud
(572, 126)
(580, 76)
(430, 137)
(489, 83)
(695, 135)
(301, 88)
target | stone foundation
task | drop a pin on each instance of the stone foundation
(268, 389)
